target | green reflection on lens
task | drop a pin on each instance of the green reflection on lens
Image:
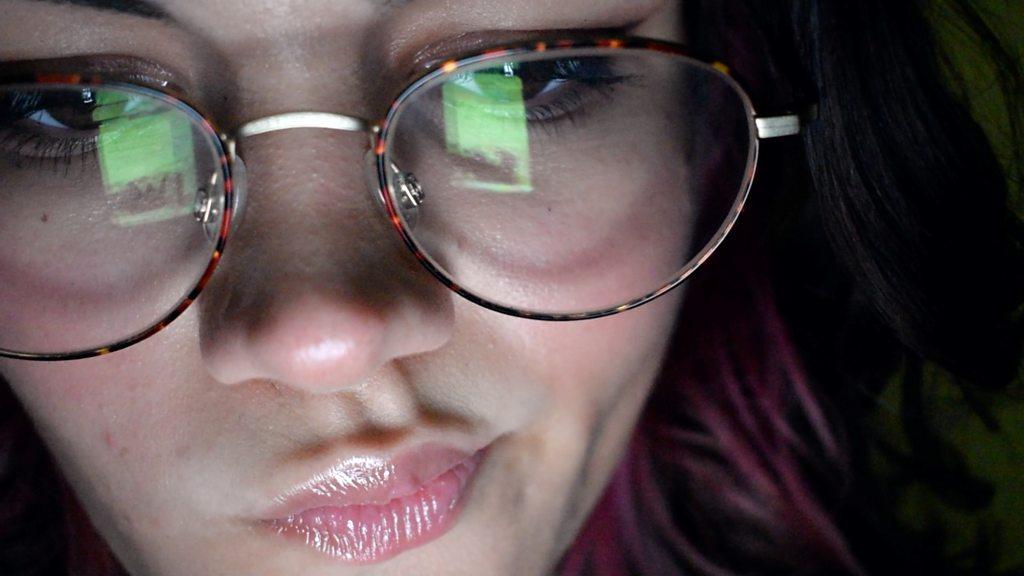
(147, 157)
(485, 120)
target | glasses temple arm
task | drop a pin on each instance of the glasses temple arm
(784, 124)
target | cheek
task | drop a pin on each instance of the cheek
(109, 422)
(566, 383)
(512, 373)
(586, 383)
(598, 379)
(594, 358)
(74, 405)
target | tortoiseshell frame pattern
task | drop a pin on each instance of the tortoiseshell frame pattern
(379, 143)
(215, 139)
(449, 67)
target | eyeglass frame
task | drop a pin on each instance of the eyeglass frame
(231, 165)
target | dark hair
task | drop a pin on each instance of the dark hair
(877, 246)
(885, 242)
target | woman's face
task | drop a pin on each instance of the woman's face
(326, 393)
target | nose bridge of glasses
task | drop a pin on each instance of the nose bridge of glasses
(410, 193)
(292, 120)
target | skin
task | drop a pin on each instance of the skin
(299, 353)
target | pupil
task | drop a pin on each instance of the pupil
(538, 76)
(71, 109)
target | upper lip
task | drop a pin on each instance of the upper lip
(368, 479)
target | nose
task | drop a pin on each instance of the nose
(316, 290)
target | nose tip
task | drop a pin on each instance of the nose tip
(316, 345)
(316, 291)
(313, 343)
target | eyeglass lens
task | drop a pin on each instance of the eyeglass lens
(569, 181)
(110, 208)
(550, 183)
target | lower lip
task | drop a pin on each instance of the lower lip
(371, 533)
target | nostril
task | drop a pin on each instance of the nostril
(306, 341)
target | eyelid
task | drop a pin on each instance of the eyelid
(108, 67)
(469, 43)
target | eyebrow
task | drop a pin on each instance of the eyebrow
(134, 7)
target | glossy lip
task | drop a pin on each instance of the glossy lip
(367, 509)
(369, 479)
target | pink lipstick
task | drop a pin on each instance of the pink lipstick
(368, 509)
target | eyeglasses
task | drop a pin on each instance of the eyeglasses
(558, 180)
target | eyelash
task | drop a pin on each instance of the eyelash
(53, 152)
(570, 107)
(34, 147)
(584, 80)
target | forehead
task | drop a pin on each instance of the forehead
(240, 16)
(273, 55)
(395, 29)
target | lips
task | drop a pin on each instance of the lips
(367, 509)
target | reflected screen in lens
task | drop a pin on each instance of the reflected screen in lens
(107, 194)
(573, 180)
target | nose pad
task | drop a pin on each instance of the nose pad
(206, 210)
(370, 176)
(209, 212)
(409, 192)
(239, 177)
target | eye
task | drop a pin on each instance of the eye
(48, 125)
(45, 118)
(549, 89)
(543, 77)
(537, 79)
(559, 89)
(53, 111)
